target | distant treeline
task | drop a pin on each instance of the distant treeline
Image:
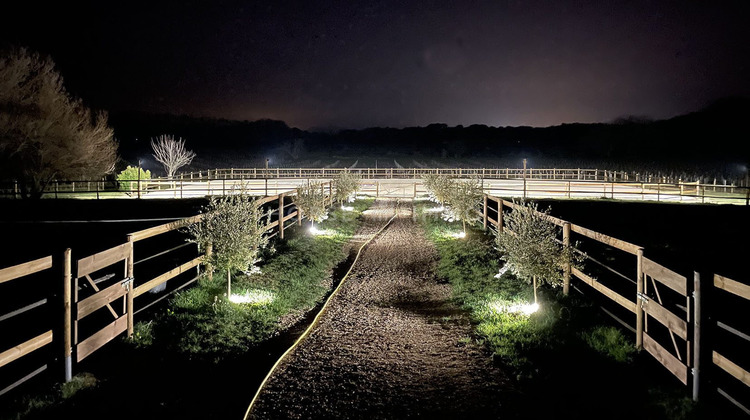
(714, 139)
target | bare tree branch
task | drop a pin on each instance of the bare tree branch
(171, 153)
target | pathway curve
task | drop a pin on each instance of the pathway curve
(391, 344)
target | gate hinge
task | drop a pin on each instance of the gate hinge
(643, 297)
(127, 282)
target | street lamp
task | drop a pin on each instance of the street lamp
(266, 176)
(524, 179)
(139, 178)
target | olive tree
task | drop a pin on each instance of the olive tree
(311, 200)
(528, 245)
(233, 227)
(345, 184)
(46, 134)
(463, 199)
(438, 187)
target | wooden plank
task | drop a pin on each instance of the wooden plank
(665, 276)
(100, 299)
(103, 259)
(264, 200)
(731, 368)
(731, 286)
(100, 338)
(24, 269)
(290, 215)
(621, 300)
(167, 227)
(25, 348)
(271, 225)
(663, 356)
(145, 287)
(552, 219)
(667, 318)
(606, 239)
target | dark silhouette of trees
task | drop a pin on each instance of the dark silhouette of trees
(45, 134)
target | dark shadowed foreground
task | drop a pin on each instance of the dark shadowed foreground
(391, 344)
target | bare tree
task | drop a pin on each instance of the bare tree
(45, 133)
(171, 153)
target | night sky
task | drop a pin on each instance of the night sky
(357, 64)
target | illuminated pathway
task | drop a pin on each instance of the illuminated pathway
(391, 345)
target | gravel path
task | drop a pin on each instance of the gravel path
(391, 344)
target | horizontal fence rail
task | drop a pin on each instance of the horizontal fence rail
(30, 342)
(530, 182)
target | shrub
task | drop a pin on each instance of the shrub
(128, 178)
(312, 201)
(346, 183)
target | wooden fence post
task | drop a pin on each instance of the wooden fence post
(131, 309)
(484, 216)
(281, 215)
(696, 333)
(566, 268)
(377, 189)
(67, 348)
(638, 300)
(415, 191)
(500, 215)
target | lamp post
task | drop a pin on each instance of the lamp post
(265, 175)
(524, 179)
(139, 178)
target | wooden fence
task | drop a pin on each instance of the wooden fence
(103, 292)
(739, 383)
(21, 272)
(536, 183)
(666, 314)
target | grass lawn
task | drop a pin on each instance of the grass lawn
(565, 352)
(292, 278)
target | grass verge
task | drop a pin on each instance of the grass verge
(293, 277)
(564, 350)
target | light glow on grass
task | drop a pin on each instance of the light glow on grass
(459, 235)
(518, 308)
(253, 297)
(347, 208)
(435, 209)
(321, 232)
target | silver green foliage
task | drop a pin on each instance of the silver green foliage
(311, 200)
(234, 227)
(528, 244)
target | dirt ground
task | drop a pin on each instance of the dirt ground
(391, 344)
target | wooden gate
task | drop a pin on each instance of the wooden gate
(655, 305)
(101, 292)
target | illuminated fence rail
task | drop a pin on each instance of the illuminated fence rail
(26, 338)
(660, 306)
(511, 182)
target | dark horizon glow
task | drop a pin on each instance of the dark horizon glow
(391, 63)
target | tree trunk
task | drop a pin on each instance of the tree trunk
(536, 299)
(229, 284)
